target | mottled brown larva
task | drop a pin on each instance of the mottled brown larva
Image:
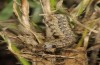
(60, 26)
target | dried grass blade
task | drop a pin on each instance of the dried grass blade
(14, 49)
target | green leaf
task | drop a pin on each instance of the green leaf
(53, 4)
(7, 11)
(21, 59)
(36, 18)
(82, 6)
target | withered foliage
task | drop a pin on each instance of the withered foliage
(83, 30)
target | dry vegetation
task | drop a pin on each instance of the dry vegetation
(25, 32)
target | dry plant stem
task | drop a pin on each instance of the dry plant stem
(86, 40)
(94, 57)
(95, 51)
(78, 23)
(25, 15)
(91, 24)
(79, 10)
(59, 4)
(25, 12)
(45, 6)
(98, 34)
(24, 19)
(80, 57)
(13, 48)
(90, 8)
(97, 37)
(15, 11)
